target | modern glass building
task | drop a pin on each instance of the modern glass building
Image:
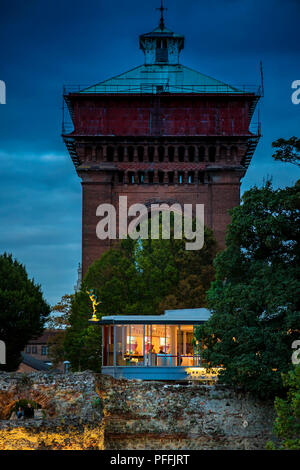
(158, 347)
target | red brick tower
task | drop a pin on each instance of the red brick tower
(160, 132)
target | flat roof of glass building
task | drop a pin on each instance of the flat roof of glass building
(181, 316)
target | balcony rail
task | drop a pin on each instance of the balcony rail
(161, 88)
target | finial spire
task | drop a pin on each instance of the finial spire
(162, 9)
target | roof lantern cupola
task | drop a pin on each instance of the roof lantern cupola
(161, 46)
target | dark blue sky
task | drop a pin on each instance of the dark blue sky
(48, 43)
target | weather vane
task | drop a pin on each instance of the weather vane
(93, 299)
(162, 9)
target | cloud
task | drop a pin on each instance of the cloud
(40, 216)
(52, 157)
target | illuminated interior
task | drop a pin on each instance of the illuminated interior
(150, 345)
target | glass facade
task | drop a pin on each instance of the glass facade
(150, 345)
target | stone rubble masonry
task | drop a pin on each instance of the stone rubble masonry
(94, 411)
(71, 418)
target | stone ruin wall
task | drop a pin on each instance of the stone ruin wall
(94, 411)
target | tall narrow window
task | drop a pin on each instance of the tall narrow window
(141, 177)
(151, 177)
(160, 177)
(131, 177)
(161, 50)
(191, 177)
(99, 153)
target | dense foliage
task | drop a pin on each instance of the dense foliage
(255, 297)
(23, 310)
(287, 423)
(82, 341)
(138, 277)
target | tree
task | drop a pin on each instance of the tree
(142, 277)
(287, 423)
(23, 310)
(59, 321)
(255, 297)
(60, 313)
(82, 342)
(147, 276)
(287, 150)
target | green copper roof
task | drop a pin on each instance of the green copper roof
(157, 78)
(162, 72)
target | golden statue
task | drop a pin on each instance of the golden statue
(93, 299)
